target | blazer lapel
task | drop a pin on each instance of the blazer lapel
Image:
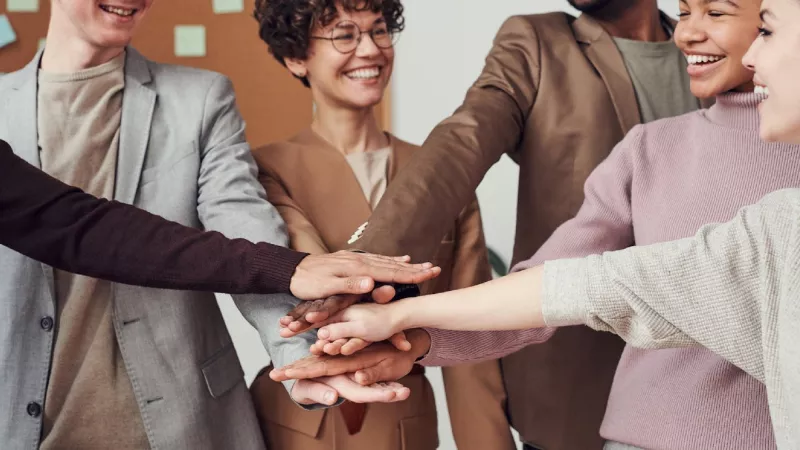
(342, 208)
(138, 105)
(23, 124)
(24, 132)
(606, 58)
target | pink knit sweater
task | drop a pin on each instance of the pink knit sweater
(663, 182)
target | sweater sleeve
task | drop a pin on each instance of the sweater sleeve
(603, 223)
(66, 228)
(719, 289)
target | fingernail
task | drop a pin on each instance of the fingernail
(330, 397)
(323, 334)
(364, 285)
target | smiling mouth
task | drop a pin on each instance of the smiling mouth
(122, 12)
(702, 60)
(763, 90)
(369, 73)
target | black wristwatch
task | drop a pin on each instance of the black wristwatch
(401, 290)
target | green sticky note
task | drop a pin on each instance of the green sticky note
(227, 6)
(7, 35)
(22, 5)
(190, 41)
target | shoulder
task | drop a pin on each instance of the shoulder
(187, 80)
(555, 24)
(666, 131)
(14, 79)
(399, 144)
(276, 157)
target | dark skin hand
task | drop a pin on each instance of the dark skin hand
(322, 276)
(376, 363)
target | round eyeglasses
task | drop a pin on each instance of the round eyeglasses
(346, 36)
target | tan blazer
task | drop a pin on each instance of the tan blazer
(313, 187)
(555, 96)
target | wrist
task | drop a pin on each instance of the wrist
(420, 342)
(401, 316)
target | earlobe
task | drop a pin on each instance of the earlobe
(297, 67)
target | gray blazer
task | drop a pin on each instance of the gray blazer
(182, 155)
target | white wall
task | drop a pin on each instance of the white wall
(438, 57)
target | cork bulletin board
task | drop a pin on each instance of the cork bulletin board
(274, 104)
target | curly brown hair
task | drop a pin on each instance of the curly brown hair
(285, 25)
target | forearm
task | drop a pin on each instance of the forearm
(509, 303)
(426, 197)
(66, 228)
(715, 289)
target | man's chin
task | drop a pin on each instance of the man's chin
(590, 6)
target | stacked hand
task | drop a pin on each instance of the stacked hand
(331, 284)
(350, 344)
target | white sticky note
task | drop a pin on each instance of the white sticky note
(190, 41)
(22, 5)
(227, 6)
(7, 35)
(42, 41)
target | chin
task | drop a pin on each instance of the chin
(704, 93)
(779, 134)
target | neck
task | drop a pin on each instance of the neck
(638, 20)
(64, 52)
(349, 131)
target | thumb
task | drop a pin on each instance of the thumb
(368, 376)
(306, 392)
(356, 285)
(400, 342)
(340, 330)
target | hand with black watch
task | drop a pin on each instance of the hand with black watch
(307, 313)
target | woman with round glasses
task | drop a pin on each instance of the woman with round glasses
(325, 182)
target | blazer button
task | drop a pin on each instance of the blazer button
(34, 409)
(46, 323)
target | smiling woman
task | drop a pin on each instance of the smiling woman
(714, 36)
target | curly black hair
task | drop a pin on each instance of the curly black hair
(285, 25)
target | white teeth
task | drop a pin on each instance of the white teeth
(763, 90)
(364, 74)
(118, 11)
(702, 59)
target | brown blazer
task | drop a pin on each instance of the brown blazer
(555, 96)
(313, 187)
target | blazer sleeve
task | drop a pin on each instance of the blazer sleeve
(603, 223)
(303, 236)
(62, 226)
(476, 395)
(424, 200)
(232, 201)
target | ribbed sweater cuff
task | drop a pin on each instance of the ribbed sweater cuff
(272, 268)
(433, 357)
(565, 292)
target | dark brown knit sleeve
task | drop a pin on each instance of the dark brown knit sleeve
(62, 226)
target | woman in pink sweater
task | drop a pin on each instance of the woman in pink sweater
(663, 182)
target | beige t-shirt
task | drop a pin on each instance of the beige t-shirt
(659, 77)
(89, 402)
(372, 172)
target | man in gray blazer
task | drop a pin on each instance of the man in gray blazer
(89, 364)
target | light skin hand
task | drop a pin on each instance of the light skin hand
(378, 362)
(306, 314)
(346, 272)
(513, 302)
(366, 321)
(326, 391)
